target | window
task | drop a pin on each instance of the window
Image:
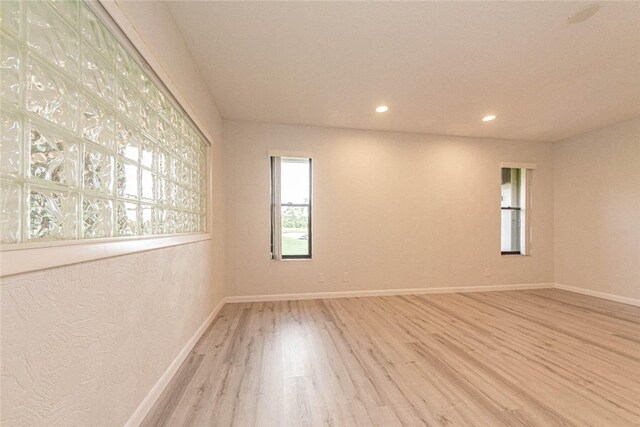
(514, 203)
(93, 144)
(290, 207)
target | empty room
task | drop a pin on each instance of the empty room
(310, 213)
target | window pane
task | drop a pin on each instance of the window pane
(295, 230)
(510, 230)
(294, 175)
(511, 184)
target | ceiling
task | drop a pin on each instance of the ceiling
(439, 66)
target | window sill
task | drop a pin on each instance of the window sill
(292, 260)
(29, 257)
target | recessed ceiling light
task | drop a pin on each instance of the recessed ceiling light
(382, 109)
(488, 118)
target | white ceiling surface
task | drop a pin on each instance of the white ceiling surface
(440, 66)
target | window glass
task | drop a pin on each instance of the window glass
(291, 207)
(294, 180)
(91, 146)
(512, 210)
(295, 230)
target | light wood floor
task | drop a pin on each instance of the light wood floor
(540, 357)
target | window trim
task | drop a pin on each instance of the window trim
(276, 207)
(35, 256)
(25, 260)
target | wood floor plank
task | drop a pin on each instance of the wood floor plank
(518, 358)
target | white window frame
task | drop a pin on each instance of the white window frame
(28, 257)
(526, 210)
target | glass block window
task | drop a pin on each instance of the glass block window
(91, 145)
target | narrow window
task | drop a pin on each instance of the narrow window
(290, 207)
(514, 209)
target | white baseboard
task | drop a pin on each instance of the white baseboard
(386, 292)
(150, 399)
(598, 294)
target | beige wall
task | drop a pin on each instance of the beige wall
(394, 210)
(83, 344)
(597, 210)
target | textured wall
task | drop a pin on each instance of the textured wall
(83, 344)
(597, 210)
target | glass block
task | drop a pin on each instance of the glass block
(127, 101)
(189, 199)
(97, 74)
(68, 9)
(9, 71)
(167, 111)
(176, 144)
(188, 222)
(147, 187)
(51, 37)
(195, 201)
(10, 145)
(147, 154)
(97, 34)
(171, 138)
(183, 126)
(126, 218)
(162, 130)
(163, 162)
(170, 194)
(149, 91)
(153, 122)
(97, 217)
(194, 179)
(161, 190)
(163, 104)
(51, 214)
(174, 169)
(193, 155)
(51, 96)
(126, 179)
(185, 149)
(202, 223)
(9, 212)
(52, 157)
(97, 122)
(10, 16)
(181, 196)
(147, 219)
(158, 220)
(185, 174)
(127, 140)
(98, 170)
(182, 224)
(146, 118)
(202, 184)
(194, 223)
(127, 67)
(169, 221)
